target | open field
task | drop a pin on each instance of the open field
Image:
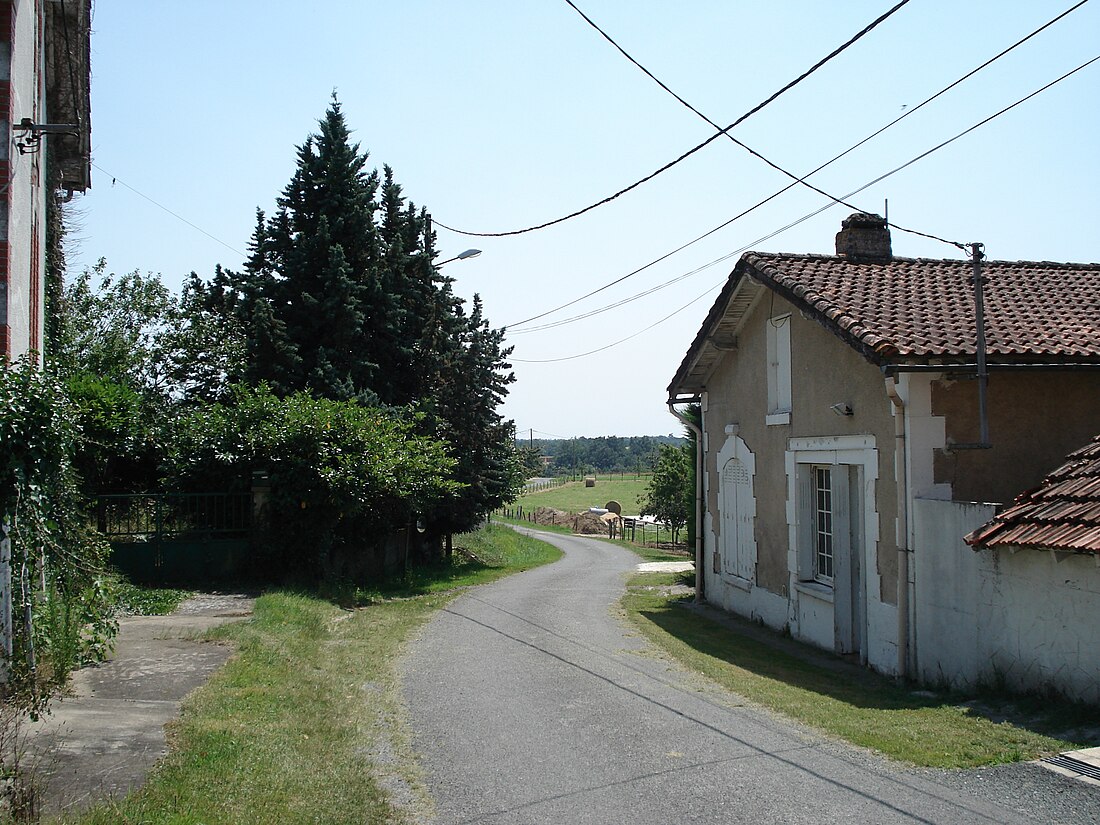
(574, 497)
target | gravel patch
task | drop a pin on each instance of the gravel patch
(1030, 789)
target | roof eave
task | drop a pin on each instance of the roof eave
(68, 91)
(717, 333)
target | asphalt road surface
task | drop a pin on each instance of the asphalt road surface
(532, 702)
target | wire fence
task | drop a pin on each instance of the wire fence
(637, 531)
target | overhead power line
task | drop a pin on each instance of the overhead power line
(175, 215)
(818, 211)
(621, 340)
(803, 180)
(813, 172)
(838, 50)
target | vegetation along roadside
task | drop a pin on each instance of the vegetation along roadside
(921, 727)
(305, 723)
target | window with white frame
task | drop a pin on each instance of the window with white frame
(779, 369)
(823, 525)
(827, 494)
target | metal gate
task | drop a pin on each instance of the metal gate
(167, 538)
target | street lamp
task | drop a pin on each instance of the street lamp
(461, 256)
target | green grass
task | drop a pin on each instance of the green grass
(574, 497)
(920, 727)
(305, 723)
(489, 553)
(136, 600)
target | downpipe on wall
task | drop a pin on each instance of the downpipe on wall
(902, 538)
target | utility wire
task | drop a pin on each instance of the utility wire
(818, 211)
(176, 215)
(813, 172)
(636, 296)
(622, 340)
(803, 180)
(866, 30)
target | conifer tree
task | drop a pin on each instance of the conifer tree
(340, 298)
(318, 313)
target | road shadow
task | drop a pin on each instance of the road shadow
(770, 655)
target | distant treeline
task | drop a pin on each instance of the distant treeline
(605, 454)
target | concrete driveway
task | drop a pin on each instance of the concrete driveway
(102, 739)
(533, 703)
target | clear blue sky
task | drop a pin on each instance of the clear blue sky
(500, 115)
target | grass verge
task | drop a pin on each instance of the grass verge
(135, 600)
(923, 728)
(305, 724)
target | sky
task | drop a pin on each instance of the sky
(501, 115)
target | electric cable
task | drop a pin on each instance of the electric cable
(827, 206)
(176, 215)
(621, 340)
(803, 180)
(863, 32)
(827, 163)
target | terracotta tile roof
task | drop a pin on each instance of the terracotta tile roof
(915, 310)
(1062, 513)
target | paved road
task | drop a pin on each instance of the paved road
(532, 703)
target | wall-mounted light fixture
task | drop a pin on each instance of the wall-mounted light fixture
(31, 141)
(841, 408)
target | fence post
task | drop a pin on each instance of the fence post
(157, 519)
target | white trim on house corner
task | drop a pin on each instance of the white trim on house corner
(851, 450)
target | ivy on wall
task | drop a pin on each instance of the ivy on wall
(60, 611)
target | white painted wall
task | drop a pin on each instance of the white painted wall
(26, 197)
(1028, 617)
(924, 433)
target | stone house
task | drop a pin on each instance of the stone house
(845, 455)
(45, 113)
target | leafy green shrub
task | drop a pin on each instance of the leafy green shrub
(343, 476)
(147, 601)
(61, 607)
(120, 448)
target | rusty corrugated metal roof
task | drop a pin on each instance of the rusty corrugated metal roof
(1062, 513)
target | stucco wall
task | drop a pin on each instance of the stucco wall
(1027, 618)
(23, 204)
(825, 371)
(1035, 420)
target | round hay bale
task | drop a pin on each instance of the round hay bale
(614, 507)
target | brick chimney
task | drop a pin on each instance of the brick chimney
(863, 237)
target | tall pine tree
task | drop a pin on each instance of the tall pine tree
(340, 298)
